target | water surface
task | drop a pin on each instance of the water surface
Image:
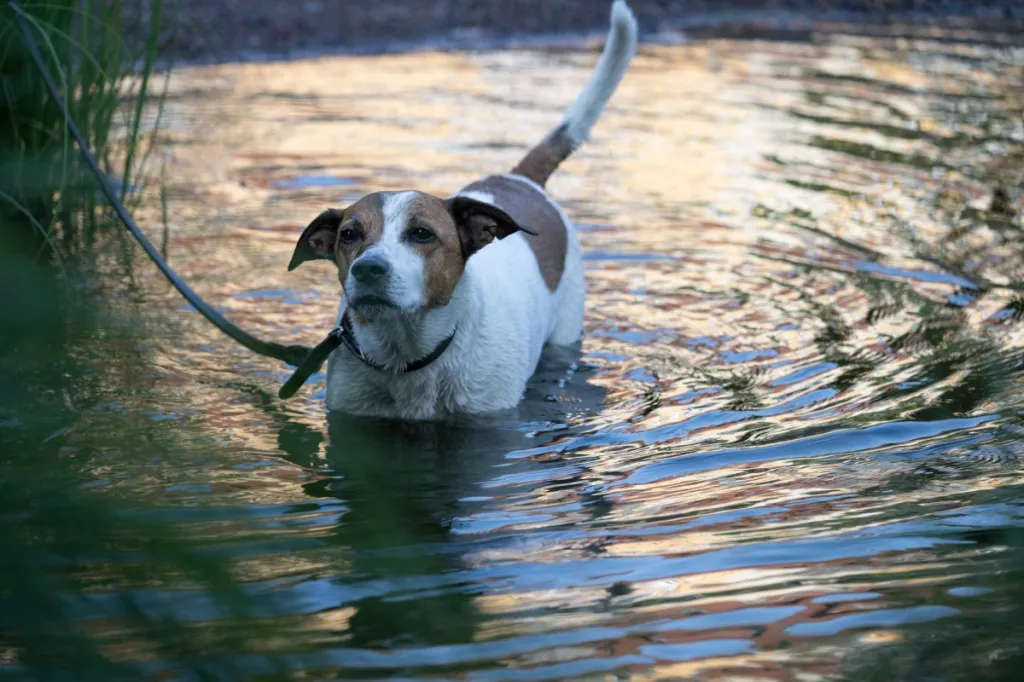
(791, 439)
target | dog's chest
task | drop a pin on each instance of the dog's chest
(357, 389)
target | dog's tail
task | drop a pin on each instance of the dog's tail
(542, 160)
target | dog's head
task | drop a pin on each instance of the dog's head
(402, 251)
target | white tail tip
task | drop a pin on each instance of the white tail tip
(619, 48)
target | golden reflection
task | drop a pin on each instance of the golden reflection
(767, 235)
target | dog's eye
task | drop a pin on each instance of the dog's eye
(348, 235)
(421, 235)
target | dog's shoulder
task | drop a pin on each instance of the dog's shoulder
(529, 205)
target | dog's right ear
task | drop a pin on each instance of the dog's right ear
(318, 239)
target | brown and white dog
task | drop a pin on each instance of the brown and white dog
(447, 303)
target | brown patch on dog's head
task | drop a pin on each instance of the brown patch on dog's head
(464, 226)
(443, 259)
(341, 235)
(445, 233)
(457, 229)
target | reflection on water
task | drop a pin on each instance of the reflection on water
(791, 438)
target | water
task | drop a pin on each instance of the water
(789, 447)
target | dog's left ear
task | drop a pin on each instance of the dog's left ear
(318, 239)
(480, 223)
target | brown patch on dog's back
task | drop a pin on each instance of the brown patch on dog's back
(531, 207)
(443, 259)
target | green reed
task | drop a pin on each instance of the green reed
(48, 205)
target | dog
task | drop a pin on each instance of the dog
(447, 304)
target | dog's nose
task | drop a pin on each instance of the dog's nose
(370, 269)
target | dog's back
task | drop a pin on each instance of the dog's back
(555, 250)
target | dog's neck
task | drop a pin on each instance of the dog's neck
(396, 339)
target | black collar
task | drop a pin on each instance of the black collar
(343, 336)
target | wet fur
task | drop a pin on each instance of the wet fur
(504, 292)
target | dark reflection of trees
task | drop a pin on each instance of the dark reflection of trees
(984, 643)
(403, 485)
(973, 365)
(941, 339)
(59, 542)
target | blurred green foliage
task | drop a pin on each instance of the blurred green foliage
(58, 540)
(47, 202)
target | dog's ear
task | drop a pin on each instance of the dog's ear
(480, 223)
(318, 239)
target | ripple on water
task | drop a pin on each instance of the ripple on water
(794, 420)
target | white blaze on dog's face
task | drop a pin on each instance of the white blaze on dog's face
(383, 249)
(401, 252)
